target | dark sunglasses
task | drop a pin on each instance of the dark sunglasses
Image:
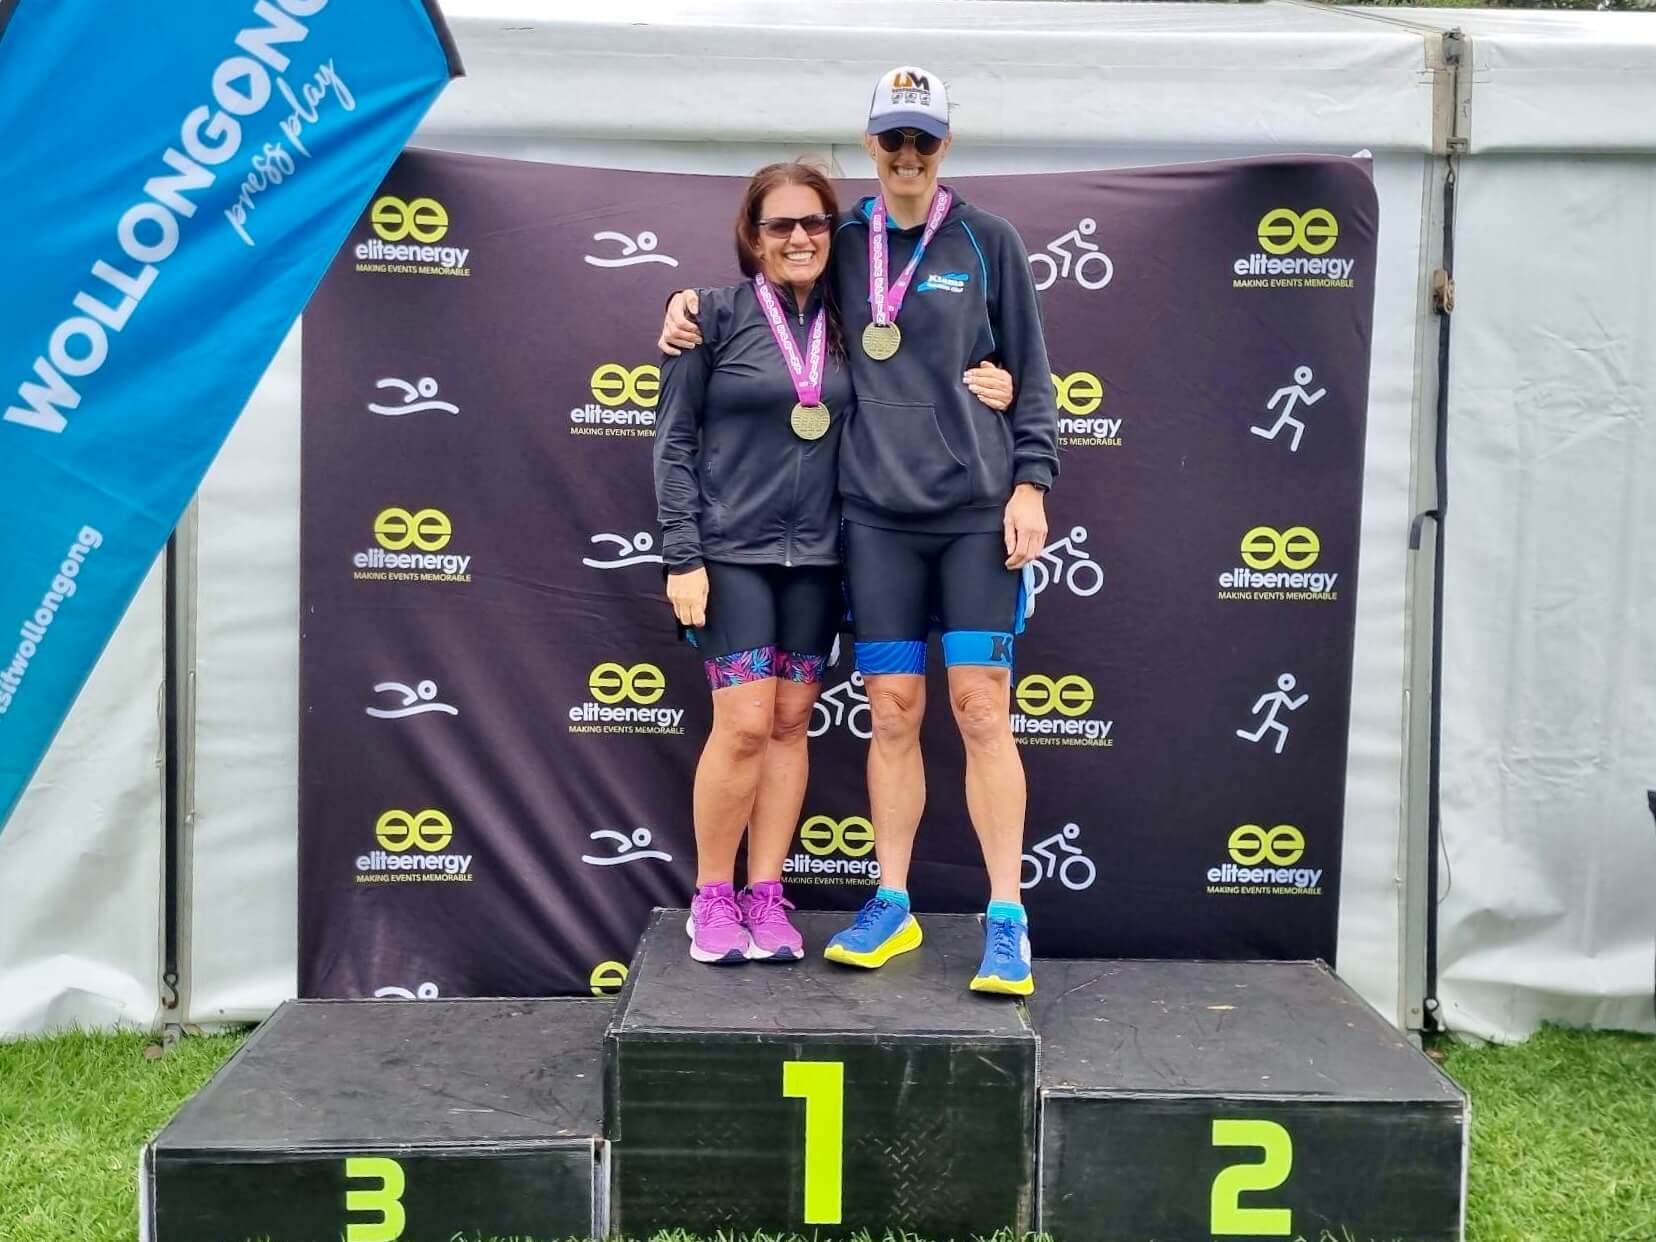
(893, 140)
(781, 227)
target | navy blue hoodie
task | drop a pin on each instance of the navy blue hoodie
(921, 452)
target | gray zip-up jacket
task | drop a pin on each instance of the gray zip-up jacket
(921, 452)
(733, 482)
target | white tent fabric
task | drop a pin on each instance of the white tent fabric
(1291, 76)
(1564, 82)
(81, 855)
(1549, 651)
(1550, 404)
(1549, 682)
(243, 851)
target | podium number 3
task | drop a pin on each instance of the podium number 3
(1229, 1216)
(821, 1084)
(386, 1199)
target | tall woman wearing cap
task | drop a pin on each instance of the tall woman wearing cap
(944, 502)
(746, 462)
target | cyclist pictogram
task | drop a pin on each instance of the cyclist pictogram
(1079, 573)
(845, 704)
(1047, 271)
(1075, 871)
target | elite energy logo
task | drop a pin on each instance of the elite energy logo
(1058, 711)
(833, 851)
(405, 237)
(414, 848)
(626, 699)
(623, 402)
(1264, 862)
(412, 546)
(1278, 566)
(1294, 253)
(1080, 422)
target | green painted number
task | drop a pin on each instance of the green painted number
(386, 1199)
(821, 1084)
(1229, 1216)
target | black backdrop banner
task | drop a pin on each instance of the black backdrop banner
(499, 728)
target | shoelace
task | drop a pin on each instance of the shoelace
(766, 906)
(1004, 937)
(870, 914)
(718, 911)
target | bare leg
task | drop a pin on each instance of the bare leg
(781, 781)
(896, 775)
(727, 777)
(995, 790)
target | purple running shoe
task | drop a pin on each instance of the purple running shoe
(715, 926)
(765, 912)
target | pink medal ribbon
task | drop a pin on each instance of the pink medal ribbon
(810, 416)
(887, 302)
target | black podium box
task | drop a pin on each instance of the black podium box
(370, 1121)
(817, 1098)
(1187, 1101)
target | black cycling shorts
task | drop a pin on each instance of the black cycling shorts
(768, 621)
(902, 582)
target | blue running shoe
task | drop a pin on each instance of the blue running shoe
(881, 931)
(1006, 963)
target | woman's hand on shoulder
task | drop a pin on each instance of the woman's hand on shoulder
(687, 593)
(991, 385)
(679, 331)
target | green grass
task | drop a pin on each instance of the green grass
(678, 1235)
(1563, 1127)
(1563, 1138)
(74, 1110)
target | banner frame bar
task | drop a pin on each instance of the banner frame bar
(439, 23)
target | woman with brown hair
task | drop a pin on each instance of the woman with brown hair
(746, 469)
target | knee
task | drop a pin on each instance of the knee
(790, 725)
(896, 714)
(744, 733)
(980, 712)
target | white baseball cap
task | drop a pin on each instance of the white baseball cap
(909, 97)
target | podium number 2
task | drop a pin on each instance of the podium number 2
(386, 1199)
(821, 1084)
(1229, 1216)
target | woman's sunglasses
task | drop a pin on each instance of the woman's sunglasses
(893, 140)
(781, 227)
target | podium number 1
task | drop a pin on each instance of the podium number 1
(821, 1084)
(1229, 1217)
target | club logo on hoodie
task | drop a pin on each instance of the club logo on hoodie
(944, 282)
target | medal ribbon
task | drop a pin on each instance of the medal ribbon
(805, 371)
(887, 303)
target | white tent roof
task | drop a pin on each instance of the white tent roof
(1550, 81)
(1127, 74)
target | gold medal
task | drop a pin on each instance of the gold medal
(881, 340)
(809, 422)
